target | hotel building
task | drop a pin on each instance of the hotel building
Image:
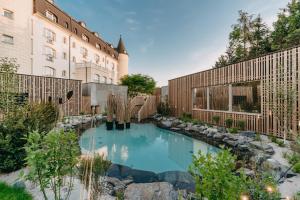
(46, 41)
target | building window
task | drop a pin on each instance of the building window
(8, 14)
(7, 39)
(97, 78)
(84, 37)
(97, 58)
(98, 46)
(51, 16)
(65, 55)
(65, 40)
(66, 25)
(63, 73)
(75, 30)
(74, 59)
(84, 52)
(49, 71)
(105, 79)
(74, 45)
(50, 53)
(110, 81)
(50, 35)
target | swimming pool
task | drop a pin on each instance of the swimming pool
(144, 147)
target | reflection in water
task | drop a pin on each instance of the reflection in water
(145, 147)
(124, 153)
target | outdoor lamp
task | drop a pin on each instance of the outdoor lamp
(270, 189)
(244, 197)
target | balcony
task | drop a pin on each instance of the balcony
(87, 71)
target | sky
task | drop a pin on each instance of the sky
(166, 39)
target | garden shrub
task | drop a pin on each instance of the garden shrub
(257, 137)
(296, 167)
(233, 130)
(241, 124)
(164, 109)
(216, 178)
(186, 117)
(228, 122)
(11, 193)
(216, 119)
(50, 159)
(16, 127)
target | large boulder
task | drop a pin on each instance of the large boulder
(150, 191)
(180, 180)
(167, 123)
(262, 146)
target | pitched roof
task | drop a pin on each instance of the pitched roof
(121, 47)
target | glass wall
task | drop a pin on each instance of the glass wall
(219, 98)
(200, 98)
(246, 97)
(240, 97)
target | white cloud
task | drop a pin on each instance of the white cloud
(147, 45)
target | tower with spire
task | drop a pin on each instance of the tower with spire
(123, 59)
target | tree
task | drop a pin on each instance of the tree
(8, 69)
(260, 43)
(138, 84)
(51, 158)
(221, 62)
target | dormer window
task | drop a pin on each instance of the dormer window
(66, 25)
(96, 34)
(51, 16)
(84, 37)
(82, 24)
(75, 30)
(98, 46)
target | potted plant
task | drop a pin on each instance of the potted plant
(110, 112)
(128, 113)
(120, 113)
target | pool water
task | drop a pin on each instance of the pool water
(144, 147)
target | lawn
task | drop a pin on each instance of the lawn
(10, 193)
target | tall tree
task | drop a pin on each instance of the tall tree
(221, 62)
(260, 42)
(138, 84)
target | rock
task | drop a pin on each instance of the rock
(181, 126)
(179, 180)
(221, 129)
(126, 173)
(218, 136)
(195, 128)
(249, 172)
(262, 146)
(259, 158)
(175, 129)
(166, 123)
(250, 134)
(19, 184)
(150, 191)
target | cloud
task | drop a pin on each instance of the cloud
(147, 45)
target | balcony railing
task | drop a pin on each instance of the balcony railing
(95, 66)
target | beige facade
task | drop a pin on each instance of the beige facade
(47, 42)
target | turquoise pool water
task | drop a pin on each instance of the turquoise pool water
(144, 147)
